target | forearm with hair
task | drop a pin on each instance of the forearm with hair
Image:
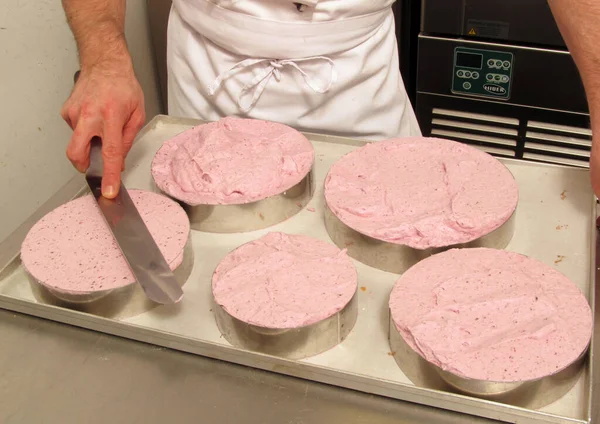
(99, 30)
(579, 24)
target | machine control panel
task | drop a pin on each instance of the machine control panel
(482, 73)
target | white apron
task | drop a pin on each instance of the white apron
(328, 66)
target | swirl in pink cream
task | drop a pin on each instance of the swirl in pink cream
(232, 161)
(421, 192)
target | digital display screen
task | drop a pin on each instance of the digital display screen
(469, 60)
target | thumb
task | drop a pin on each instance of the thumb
(112, 155)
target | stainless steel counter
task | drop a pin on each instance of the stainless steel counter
(53, 373)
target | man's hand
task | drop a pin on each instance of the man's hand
(107, 101)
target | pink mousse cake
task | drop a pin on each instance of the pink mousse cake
(72, 250)
(491, 315)
(421, 192)
(282, 281)
(232, 161)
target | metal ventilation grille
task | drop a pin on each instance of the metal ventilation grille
(504, 136)
(496, 135)
(560, 144)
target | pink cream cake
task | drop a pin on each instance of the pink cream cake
(491, 315)
(232, 161)
(283, 281)
(421, 192)
(72, 250)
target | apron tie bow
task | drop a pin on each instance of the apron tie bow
(273, 70)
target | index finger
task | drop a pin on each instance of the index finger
(78, 150)
(112, 155)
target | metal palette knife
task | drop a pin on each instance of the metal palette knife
(129, 230)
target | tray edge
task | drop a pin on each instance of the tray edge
(387, 388)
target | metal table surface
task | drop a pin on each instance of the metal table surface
(54, 373)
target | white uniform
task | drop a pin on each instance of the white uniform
(326, 66)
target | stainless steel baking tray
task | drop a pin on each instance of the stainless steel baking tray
(554, 224)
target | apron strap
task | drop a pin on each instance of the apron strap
(258, 84)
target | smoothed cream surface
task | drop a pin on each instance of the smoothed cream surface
(421, 192)
(232, 161)
(491, 315)
(284, 281)
(71, 249)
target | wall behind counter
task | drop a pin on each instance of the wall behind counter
(38, 60)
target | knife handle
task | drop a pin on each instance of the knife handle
(96, 162)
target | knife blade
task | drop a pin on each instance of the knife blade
(143, 256)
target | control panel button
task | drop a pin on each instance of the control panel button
(482, 71)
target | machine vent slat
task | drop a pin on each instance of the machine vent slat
(550, 149)
(560, 144)
(513, 132)
(496, 135)
(559, 139)
(492, 119)
(468, 137)
(500, 136)
(555, 128)
(556, 160)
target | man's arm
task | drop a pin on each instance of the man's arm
(579, 24)
(107, 100)
(99, 30)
